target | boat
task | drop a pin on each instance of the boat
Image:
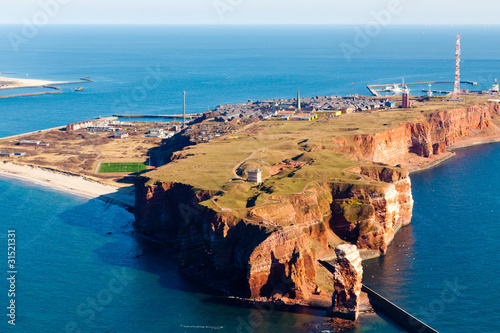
(79, 89)
(395, 89)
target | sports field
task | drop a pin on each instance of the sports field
(122, 167)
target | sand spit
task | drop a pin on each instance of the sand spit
(78, 185)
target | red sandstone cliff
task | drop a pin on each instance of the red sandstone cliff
(272, 252)
(430, 136)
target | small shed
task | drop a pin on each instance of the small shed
(390, 104)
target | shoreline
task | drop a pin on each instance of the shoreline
(473, 144)
(87, 187)
(434, 163)
(450, 152)
(71, 184)
(16, 83)
(124, 197)
(93, 189)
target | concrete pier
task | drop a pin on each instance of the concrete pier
(375, 92)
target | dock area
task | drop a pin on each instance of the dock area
(375, 92)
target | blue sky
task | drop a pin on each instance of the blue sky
(249, 11)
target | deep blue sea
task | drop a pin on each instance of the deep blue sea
(81, 268)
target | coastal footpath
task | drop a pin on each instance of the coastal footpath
(325, 183)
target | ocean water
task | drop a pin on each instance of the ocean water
(81, 269)
(140, 69)
(73, 251)
(443, 268)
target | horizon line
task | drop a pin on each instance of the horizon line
(274, 24)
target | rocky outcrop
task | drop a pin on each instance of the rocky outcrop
(347, 283)
(426, 137)
(368, 215)
(272, 252)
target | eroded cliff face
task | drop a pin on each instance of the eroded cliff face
(272, 252)
(426, 137)
(369, 216)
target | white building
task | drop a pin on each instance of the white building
(255, 176)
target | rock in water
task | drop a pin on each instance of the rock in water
(347, 283)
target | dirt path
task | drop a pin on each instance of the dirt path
(99, 155)
(258, 150)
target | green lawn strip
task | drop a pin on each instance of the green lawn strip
(122, 167)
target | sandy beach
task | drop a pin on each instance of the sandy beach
(72, 184)
(124, 196)
(10, 83)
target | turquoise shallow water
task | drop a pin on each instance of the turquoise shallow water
(67, 259)
(81, 269)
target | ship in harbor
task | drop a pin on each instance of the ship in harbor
(396, 89)
(79, 89)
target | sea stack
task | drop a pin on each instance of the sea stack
(347, 283)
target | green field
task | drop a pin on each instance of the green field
(122, 167)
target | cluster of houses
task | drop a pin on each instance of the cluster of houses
(206, 131)
(116, 127)
(305, 109)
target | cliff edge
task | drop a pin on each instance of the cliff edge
(325, 183)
